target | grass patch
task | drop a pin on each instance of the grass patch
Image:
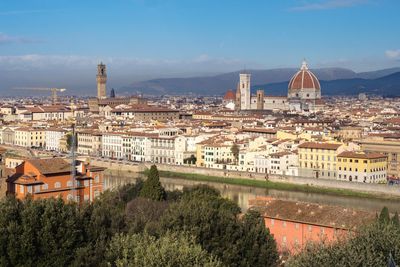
(274, 185)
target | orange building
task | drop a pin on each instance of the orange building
(293, 224)
(45, 178)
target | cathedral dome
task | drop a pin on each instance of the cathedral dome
(304, 79)
(229, 96)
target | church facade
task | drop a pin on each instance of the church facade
(304, 94)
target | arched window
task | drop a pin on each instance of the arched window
(69, 183)
(45, 186)
(57, 185)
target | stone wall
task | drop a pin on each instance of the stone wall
(328, 183)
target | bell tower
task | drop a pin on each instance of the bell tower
(244, 84)
(101, 80)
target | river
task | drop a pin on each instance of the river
(242, 194)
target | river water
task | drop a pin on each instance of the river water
(242, 194)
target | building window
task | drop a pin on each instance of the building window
(297, 226)
(45, 186)
(309, 228)
(69, 183)
(21, 189)
(272, 221)
(57, 185)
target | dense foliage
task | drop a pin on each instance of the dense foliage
(371, 246)
(171, 249)
(128, 227)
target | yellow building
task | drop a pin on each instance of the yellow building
(318, 160)
(388, 147)
(362, 167)
(30, 137)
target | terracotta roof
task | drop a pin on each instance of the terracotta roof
(362, 155)
(304, 78)
(319, 145)
(259, 130)
(229, 95)
(51, 166)
(312, 213)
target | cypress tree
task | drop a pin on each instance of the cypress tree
(384, 216)
(395, 219)
(152, 188)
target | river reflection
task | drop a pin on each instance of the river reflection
(242, 194)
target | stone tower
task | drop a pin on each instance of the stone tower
(237, 100)
(101, 81)
(260, 99)
(244, 84)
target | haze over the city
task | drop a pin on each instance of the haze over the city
(58, 43)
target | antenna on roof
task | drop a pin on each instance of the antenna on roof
(73, 164)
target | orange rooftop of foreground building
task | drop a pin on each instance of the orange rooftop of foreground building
(45, 178)
(293, 224)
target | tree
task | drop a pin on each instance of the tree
(39, 232)
(384, 216)
(235, 152)
(70, 141)
(152, 188)
(214, 222)
(171, 249)
(258, 245)
(143, 214)
(395, 219)
(370, 246)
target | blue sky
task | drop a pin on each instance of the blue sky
(152, 38)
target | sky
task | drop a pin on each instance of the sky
(42, 41)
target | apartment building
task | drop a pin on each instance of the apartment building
(53, 138)
(387, 146)
(30, 137)
(362, 167)
(45, 178)
(89, 143)
(317, 159)
(163, 149)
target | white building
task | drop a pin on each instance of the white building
(163, 150)
(112, 145)
(280, 163)
(53, 137)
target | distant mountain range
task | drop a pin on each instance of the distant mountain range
(334, 81)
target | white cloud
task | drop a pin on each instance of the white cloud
(199, 63)
(7, 39)
(393, 54)
(328, 4)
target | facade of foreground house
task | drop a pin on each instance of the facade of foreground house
(46, 178)
(293, 224)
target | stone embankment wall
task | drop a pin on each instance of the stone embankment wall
(114, 165)
(328, 183)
